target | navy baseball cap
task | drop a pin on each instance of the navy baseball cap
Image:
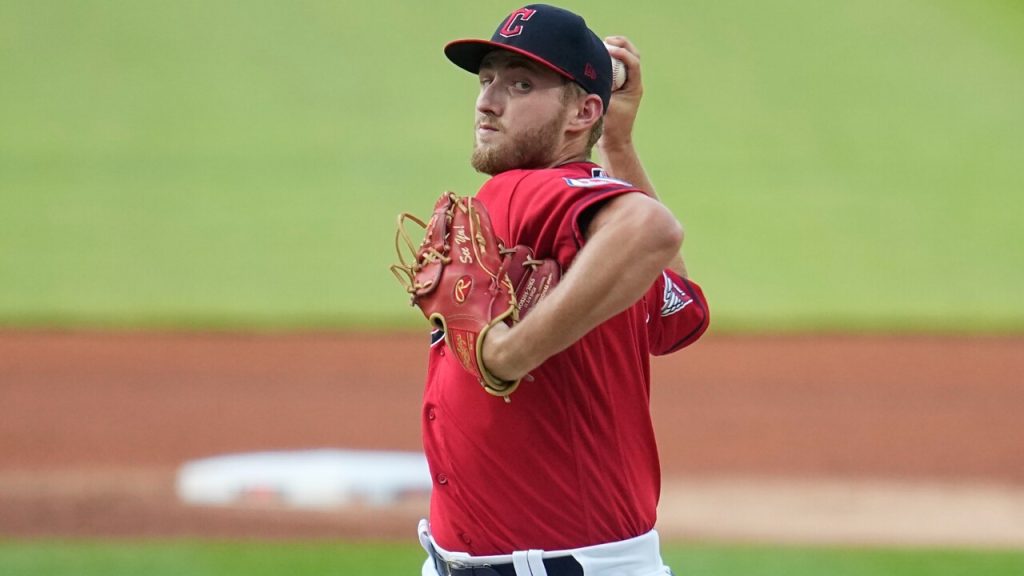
(553, 37)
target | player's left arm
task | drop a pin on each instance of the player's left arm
(616, 148)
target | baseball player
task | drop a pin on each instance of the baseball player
(564, 479)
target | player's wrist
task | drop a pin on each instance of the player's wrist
(616, 151)
(496, 358)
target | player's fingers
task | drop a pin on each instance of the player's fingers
(622, 49)
(624, 43)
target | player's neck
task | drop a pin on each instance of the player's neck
(570, 161)
(570, 153)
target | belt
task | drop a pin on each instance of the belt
(561, 566)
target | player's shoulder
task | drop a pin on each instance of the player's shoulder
(581, 177)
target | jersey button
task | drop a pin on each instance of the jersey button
(441, 351)
(442, 478)
(465, 538)
(431, 414)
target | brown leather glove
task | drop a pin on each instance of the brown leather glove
(465, 281)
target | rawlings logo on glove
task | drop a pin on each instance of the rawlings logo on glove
(465, 281)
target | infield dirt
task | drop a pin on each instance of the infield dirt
(803, 438)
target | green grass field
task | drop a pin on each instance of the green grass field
(239, 164)
(192, 164)
(347, 559)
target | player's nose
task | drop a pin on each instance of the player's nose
(489, 101)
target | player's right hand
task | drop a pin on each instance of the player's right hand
(625, 102)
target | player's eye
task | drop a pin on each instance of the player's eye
(522, 85)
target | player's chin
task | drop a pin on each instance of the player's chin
(487, 160)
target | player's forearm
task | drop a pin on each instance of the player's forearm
(612, 272)
(622, 161)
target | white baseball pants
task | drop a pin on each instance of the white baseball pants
(640, 556)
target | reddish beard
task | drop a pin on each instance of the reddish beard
(533, 148)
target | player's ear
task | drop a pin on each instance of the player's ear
(588, 110)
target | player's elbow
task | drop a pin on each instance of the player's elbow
(673, 236)
(662, 232)
(642, 227)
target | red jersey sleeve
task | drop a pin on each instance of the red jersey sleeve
(543, 208)
(678, 313)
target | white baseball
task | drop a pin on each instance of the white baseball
(618, 71)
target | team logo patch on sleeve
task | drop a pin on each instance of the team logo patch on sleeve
(595, 182)
(673, 299)
(598, 178)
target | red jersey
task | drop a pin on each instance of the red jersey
(571, 461)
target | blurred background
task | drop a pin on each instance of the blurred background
(197, 206)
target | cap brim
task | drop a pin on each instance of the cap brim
(468, 54)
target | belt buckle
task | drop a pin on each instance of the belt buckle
(454, 566)
(449, 566)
